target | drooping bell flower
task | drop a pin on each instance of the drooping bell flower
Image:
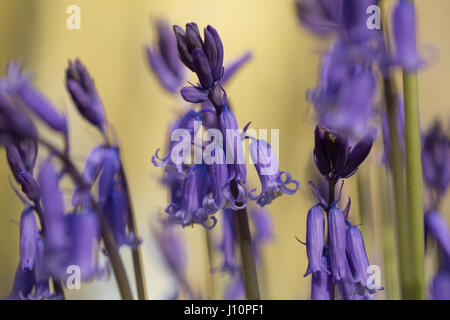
(323, 17)
(110, 169)
(53, 206)
(337, 243)
(272, 183)
(14, 124)
(436, 227)
(322, 283)
(357, 258)
(19, 85)
(116, 213)
(333, 155)
(84, 94)
(435, 159)
(41, 274)
(84, 232)
(315, 241)
(219, 177)
(28, 239)
(228, 244)
(233, 145)
(404, 30)
(163, 58)
(196, 186)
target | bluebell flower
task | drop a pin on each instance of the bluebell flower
(163, 58)
(196, 187)
(14, 124)
(219, 177)
(315, 241)
(272, 183)
(436, 227)
(23, 284)
(322, 283)
(337, 243)
(323, 17)
(354, 17)
(84, 94)
(404, 31)
(28, 239)
(18, 83)
(109, 172)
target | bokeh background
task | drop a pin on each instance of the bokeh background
(269, 91)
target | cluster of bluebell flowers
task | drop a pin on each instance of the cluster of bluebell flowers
(55, 237)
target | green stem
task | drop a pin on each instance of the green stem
(414, 186)
(247, 258)
(396, 167)
(136, 253)
(389, 249)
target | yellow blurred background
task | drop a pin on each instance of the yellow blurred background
(269, 91)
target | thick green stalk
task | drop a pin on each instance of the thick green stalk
(396, 167)
(414, 186)
(247, 258)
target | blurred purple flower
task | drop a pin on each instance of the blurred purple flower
(28, 239)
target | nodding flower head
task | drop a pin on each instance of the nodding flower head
(435, 159)
(333, 155)
(272, 183)
(18, 84)
(196, 187)
(315, 241)
(163, 58)
(323, 17)
(404, 30)
(337, 243)
(204, 57)
(84, 94)
(28, 239)
(219, 176)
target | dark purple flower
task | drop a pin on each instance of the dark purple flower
(110, 169)
(41, 274)
(13, 123)
(84, 94)
(28, 239)
(191, 209)
(315, 241)
(323, 17)
(19, 84)
(404, 30)
(435, 159)
(436, 226)
(272, 183)
(322, 283)
(337, 243)
(333, 155)
(163, 58)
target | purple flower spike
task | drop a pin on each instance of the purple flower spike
(323, 17)
(23, 284)
(322, 284)
(357, 259)
(19, 85)
(337, 243)
(84, 94)
(233, 141)
(28, 239)
(315, 242)
(435, 159)
(53, 206)
(436, 226)
(228, 243)
(266, 164)
(404, 26)
(163, 59)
